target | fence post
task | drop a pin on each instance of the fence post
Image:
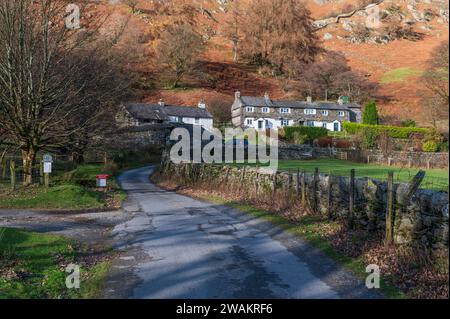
(3, 163)
(390, 210)
(303, 188)
(297, 185)
(315, 190)
(289, 186)
(351, 206)
(329, 196)
(274, 184)
(12, 168)
(41, 173)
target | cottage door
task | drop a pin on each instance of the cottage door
(260, 125)
(336, 127)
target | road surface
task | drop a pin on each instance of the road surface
(178, 247)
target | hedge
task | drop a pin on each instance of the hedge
(393, 131)
(311, 132)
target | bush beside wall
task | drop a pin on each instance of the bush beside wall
(393, 131)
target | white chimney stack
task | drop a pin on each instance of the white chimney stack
(309, 99)
(161, 102)
(266, 96)
(202, 104)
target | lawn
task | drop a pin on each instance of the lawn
(32, 265)
(436, 179)
(73, 189)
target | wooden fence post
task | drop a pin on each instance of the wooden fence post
(329, 196)
(390, 210)
(12, 168)
(351, 206)
(303, 187)
(274, 184)
(289, 186)
(41, 173)
(315, 190)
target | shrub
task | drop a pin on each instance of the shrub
(312, 133)
(393, 131)
(369, 137)
(343, 144)
(409, 123)
(370, 115)
(443, 147)
(430, 146)
(299, 138)
(325, 141)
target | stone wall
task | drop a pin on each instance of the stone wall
(422, 219)
(407, 159)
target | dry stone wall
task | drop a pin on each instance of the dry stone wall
(423, 219)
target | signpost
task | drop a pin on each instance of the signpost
(47, 160)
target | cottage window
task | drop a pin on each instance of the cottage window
(265, 110)
(250, 109)
(284, 122)
(285, 110)
(310, 111)
(249, 122)
(325, 112)
(310, 123)
(341, 113)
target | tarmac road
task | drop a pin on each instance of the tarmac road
(178, 247)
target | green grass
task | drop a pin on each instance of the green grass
(308, 228)
(69, 190)
(62, 196)
(436, 179)
(399, 75)
(39, 262)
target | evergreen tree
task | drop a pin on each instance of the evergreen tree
(370, 115)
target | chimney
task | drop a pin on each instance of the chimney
(161, 102)
(202, 104)
(309, 99)
(237, 95)
(266, 96)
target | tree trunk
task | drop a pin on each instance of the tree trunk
(28, 159)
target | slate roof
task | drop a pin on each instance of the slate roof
(145, 111)
(261, 101)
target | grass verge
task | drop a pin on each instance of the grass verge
(75, 189)
(32, 265)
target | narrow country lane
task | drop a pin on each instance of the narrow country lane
(178, 247)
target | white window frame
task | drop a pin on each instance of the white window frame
(249, 122)
(325, 112)
(341, 113)
(284, 123)
(285, 110)
(249, 109)
(265, 109)
(310, 111)
(307, 122)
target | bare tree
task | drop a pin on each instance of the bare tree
(330, 77)
(220, 110)
(232, 27)
(55, 82)
(435, 80)
(279, 33)
(178, 51)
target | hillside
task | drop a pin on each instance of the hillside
(396, 65)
